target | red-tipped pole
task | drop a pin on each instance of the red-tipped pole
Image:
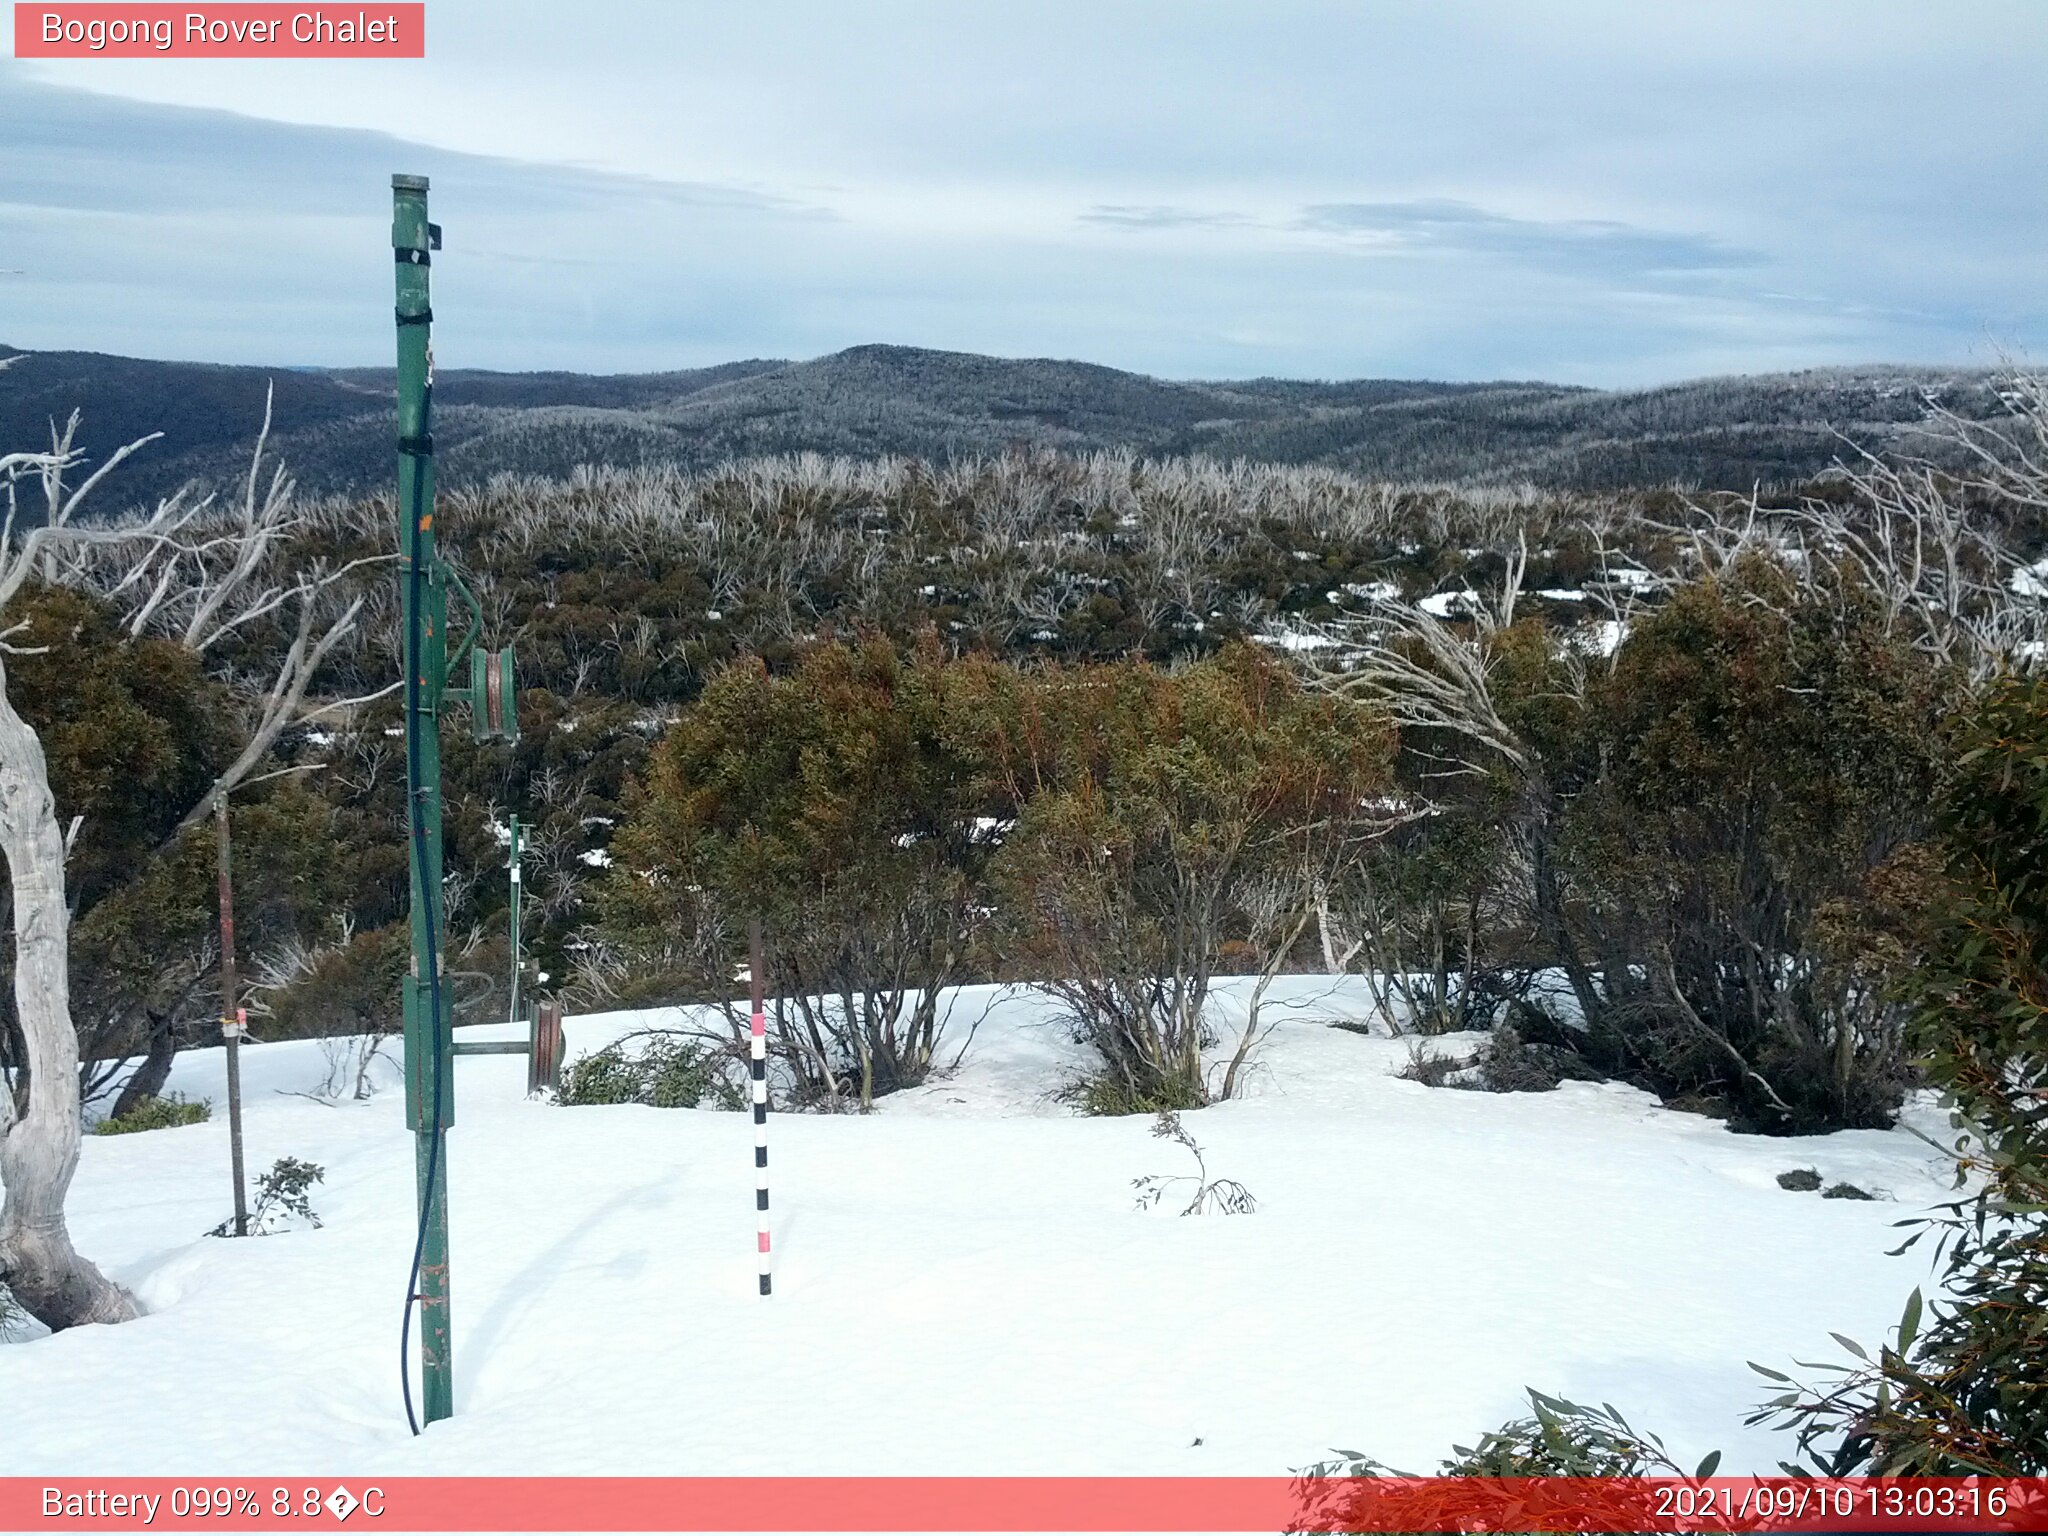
(758, 1049)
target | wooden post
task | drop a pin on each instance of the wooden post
(233, 1021)
(544, 1061)
(513, 1011)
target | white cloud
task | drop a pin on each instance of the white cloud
(1606, 193)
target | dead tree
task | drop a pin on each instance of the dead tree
(179, 569)
(39, 1115)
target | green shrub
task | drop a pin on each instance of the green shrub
(1110, 1094)
(681, 1075)
(155, 1114)
(1963, 1386)
(1556, 1439)
(1752, 778)
(1164, 819)
(282, 1196)
(346, 988)
(844, 806)
(608, 1076)
(667, 1072)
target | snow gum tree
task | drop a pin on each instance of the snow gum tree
(200, 577)
(1173, 826)
(846, 805)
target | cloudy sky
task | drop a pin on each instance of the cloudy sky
(1607, 194)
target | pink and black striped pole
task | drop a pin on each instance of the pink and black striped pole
(758, 1049)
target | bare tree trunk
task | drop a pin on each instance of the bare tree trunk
(39, 1150)
(147, 1081)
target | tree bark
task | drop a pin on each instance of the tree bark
(147, 1080)
(39, 1144)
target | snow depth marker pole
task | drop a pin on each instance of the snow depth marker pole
(758, 1051)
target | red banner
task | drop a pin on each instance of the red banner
(921, 1504)
(264, 31)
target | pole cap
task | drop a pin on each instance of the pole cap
(408, 183)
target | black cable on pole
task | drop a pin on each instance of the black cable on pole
(416, 793)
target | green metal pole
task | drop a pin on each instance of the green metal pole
(514, 1013)
(429, 1061)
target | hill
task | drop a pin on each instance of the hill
(334, 425)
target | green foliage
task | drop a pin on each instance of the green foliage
(1739, 834)
(132, 729)
(664, 1071)
(1963, 1387)
(1110, 1093)
(609, 1076)
(1565, 1439)
(155, 1114)
(283, 1196)
(1162, 815)
(845, 806)
(145, 957)
(349, 988)
(133, 732)
(1556, 1439)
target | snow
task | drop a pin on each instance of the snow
(990, 829)
(1442, 605)
(1374, 591)
(1601, 639)
(2031, 580)
(1295, 640)
(1629, 576)
(964, 1283)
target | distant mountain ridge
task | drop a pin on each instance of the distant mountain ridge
(333, 426)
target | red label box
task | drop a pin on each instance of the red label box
(243, 31)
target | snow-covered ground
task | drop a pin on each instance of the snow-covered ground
(964, 1283)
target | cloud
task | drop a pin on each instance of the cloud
(1596, 247)
(1594, 191)
(83, 152)
(1159, 216)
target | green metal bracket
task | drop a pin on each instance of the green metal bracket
(476, 618)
